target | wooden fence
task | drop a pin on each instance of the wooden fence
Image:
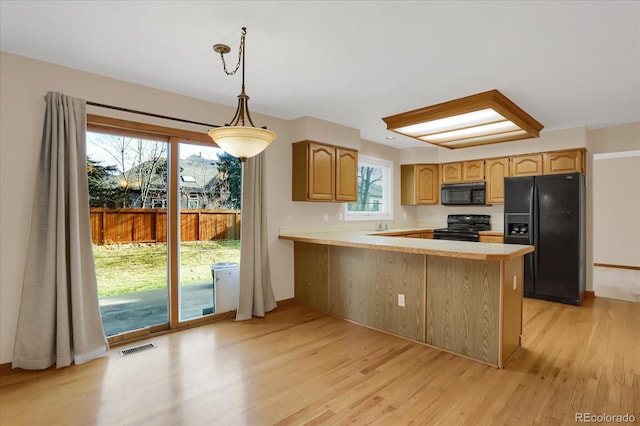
(109, 226)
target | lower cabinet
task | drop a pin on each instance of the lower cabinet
(492, 238)
(426, 235)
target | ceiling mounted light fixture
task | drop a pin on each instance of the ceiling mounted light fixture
(235, 138)
(481, 119)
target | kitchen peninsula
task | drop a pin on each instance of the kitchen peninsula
(461, 297)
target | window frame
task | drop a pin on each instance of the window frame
(387, 193)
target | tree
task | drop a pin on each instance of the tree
(367, 177)
(104, 191)
(228, 189)
(138, 162)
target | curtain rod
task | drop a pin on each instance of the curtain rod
(150, 114)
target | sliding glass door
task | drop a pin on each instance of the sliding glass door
(128, 197)
(165, 218)
(209, 195)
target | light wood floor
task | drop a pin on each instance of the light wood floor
(298, 366)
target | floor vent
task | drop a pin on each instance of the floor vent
(137, 349)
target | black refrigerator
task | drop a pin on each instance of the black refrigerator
(548, 212)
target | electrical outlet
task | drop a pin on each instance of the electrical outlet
(401, 300)
(515, 282)
(326, 217)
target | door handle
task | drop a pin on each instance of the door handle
(536, 219)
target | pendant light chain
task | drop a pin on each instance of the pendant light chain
(239, 138)
(240, 50)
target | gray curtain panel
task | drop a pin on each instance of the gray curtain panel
(255, 294)
(59, 319)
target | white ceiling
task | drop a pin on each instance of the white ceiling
(567, 63)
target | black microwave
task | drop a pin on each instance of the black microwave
(463, 194)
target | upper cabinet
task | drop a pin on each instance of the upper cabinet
(563, 162)
(451, 172)
(526, 165)
(419, 184)
(496, 169)
(473, 171)
(462, 171)
(346, 174)
(322, 172)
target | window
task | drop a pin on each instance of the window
(375, 199)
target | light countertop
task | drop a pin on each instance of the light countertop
(373, 240)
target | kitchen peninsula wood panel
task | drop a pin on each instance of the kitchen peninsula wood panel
(511, 300)
(463, 305)
(364, 285)
(311, 275)
(461, 297)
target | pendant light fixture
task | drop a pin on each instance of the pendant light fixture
(240, 137)
(480, 119)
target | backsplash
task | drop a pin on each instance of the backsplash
(436, 216)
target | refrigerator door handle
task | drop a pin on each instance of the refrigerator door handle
(536, 220)
(531, 216)
(532, 228)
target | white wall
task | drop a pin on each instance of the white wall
(614, 206)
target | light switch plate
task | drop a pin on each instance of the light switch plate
(401, 300)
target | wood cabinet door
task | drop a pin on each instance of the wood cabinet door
(473, 171)
(347, 174)
(491, 239)
(427, 184)
(451, 172)
(526, 165)
(321, 172)
(496, 170)
(563, 162)
(408, 184)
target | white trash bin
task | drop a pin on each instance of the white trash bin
(226, 279)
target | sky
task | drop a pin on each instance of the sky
(97, 153)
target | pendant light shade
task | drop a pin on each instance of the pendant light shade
(235, 137)
(242, 141)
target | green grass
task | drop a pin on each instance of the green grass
(128, 268)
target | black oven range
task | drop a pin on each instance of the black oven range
(463, 227)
